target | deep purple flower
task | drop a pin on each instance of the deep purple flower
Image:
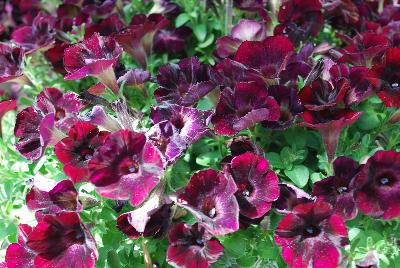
(135, 78)
(338, 189)
(209, 196)
(385, 78)
(311, 236)
(172, 41)
(68, 16)
(257, 185)
(98, 8)
(108, 26)
(11, 62)
(95, 56)
(59, 240)
(52, 197)
(345, 13)
(289, 197)
(377, 186)
(243, 107)
(250, 5)
(360, 87)
(126, 167)
(184, 83)
(55, 56)
(192, 246)
(38, 36)
(330, 124)
(78, 148)
(137, 39)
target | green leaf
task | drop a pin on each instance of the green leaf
(181, 19)
(113, 259)
(200, 31)
(275, 160)
(208, 41)
(207, 159)
(298, 175)
(368, 120)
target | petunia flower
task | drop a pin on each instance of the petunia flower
(11, 64)
(69, 15)
(135, 78)
(311, 235)
(55, 56)
(377, 186)
(330, 124)
(243, 107)
(137, 38)
(385, 78)
(59, 240)
(209, 196)
(240, 145)
(289, 197)
(95, 56)
(257, 185)
(338, 189)
(172, 41)
(78, 148)
(360, 87)
(184, 83)
(126, 167)
(98, 8)
(108, 26)
(192, 246)
(40, 35)
(51, 197)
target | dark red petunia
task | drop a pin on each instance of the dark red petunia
(209, 196)
(377, 186)
(330, 124)
(59, 240)
(97, 8)
(338, 189)
(257, 185)
(289, 197)
(137, 39)
(360, 87)
(191, 246)
(126, 167)
(11, 63)
(184, 83)
(311, 235)
(385, 78)
(40, 35)
(78, 148)
(240, 145)
(243, 107)
(68, 16)
(95, 56)
(55, 56)
(106, 27)
(172, 41)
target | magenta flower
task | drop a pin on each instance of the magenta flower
(385, 78)
(289, 197)
(78, 148)
(126, 167)
(59, 240)
(338, 189)
(257, 185)
(95, 56)
(311, 236)
(108, 26)
(51, 197)
(137, 39)
(192, 246)
(209, 196)
(184, 83)
(243, 107)
(98, 8)
(172, 41)
(11, 63)
(40, 35)
(377, 186)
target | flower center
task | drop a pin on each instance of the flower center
(128, 166)
(311, 231)
(60, 114)
(384, 181)
(212, 213)
(86, 154)
(199, 242)
(246, 193)
(341, 190)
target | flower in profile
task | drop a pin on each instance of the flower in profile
(244, 30)
(377, 186)
(385, 78)
(244, 106)
(40, 35)
(95, 56)
(210, 197)
(184, 83)
(330, 124)
(11, 63)
(58, 240)
(172, 41)
(289, 197)
(98, 8)
(51, 197)
(311, 235)
(257, 185)
(192, 246)
(126, 167)
(137, 38)
(338, 189)
(78, 148)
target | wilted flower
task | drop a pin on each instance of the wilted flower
(11, 62)
(377, 186)
(338, 189)
(184, 83)
(243, 107)
(172, 41)
(192, 246)
(289, 197)
(126, 167)
(209, 196)
(257, 185)
(78, 148)
(311, 235)
(95, 56)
